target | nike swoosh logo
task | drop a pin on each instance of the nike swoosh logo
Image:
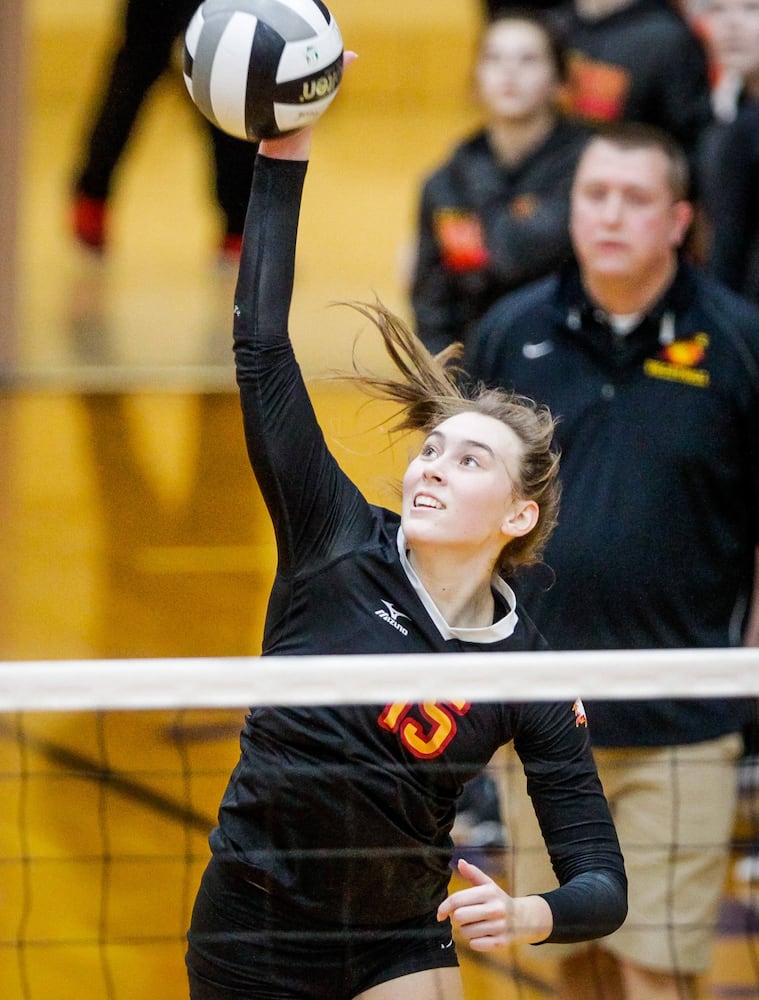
(537, 349)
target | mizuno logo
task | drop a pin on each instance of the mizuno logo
(537, 349)
(395, 615)
(391, 616)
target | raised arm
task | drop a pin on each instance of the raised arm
(315, 510)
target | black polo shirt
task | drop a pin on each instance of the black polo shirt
(659, 431)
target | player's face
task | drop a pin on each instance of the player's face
(734, 29)
(625, 222)
(515, 73)
(460, 490)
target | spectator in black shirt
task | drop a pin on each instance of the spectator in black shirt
(494, 215)
(637, 60)
(729, 162)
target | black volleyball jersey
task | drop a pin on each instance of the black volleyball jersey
(346, 811)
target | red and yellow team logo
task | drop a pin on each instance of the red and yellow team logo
(594, 91)
(524, 206)
(680, 361)
(686, 352)
(461, 240)
(581, 718)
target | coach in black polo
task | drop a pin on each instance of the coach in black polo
(653, 373)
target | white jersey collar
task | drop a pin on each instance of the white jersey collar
(501, 629)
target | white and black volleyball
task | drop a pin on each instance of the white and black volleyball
(259, 68)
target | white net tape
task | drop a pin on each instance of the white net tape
(61, 685)
(111, 772)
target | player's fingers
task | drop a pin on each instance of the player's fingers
(461, 899)
(482, 889)
(489, 942)
(473, 874)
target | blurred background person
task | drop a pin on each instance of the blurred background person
(729, 159)
(637, 60)
(494, 215)
(651, 369)
(491, 8)
(730, 187)
(149, 32)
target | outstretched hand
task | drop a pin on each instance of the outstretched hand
(487, 917)
(296, 145)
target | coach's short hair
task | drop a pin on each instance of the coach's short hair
(637, 135)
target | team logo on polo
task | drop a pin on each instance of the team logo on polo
(681, 361)
(390, 614)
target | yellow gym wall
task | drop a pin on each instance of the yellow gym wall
(131, 523)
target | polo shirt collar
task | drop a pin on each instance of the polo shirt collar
(582, 318)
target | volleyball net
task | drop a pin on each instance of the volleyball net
(111, 773)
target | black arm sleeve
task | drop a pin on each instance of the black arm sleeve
(590, 906)
(683, 105)
(316, 511)
(576, 824)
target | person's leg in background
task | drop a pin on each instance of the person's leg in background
(233, 166)
(148, 33)
(674, 809)
(581, 970)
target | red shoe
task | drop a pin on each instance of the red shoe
(89, 221)
(231, 248)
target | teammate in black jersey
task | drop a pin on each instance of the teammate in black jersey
(331, 856)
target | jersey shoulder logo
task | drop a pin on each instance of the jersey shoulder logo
(581, 718)
(391, 614)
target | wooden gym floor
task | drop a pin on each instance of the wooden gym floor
(131, 525)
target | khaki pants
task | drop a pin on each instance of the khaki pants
(673, 808)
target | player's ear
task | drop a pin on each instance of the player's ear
(521, 518)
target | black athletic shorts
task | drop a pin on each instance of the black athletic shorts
(246, 944)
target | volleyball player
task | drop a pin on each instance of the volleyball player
(330, 861)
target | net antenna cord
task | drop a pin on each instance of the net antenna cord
(228, 682)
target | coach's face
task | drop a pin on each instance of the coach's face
(625, 222)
